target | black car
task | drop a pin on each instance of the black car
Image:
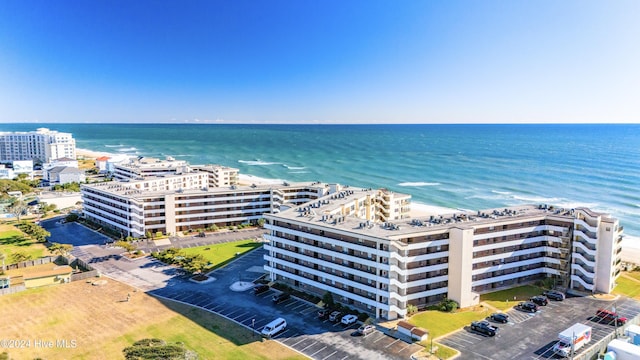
(499, 317)
(554, 295)
(280, 297)
(323, 314)
(484, 327)
(259, 289)
(539, 300)
(528, 307)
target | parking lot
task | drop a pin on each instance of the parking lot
(305, 333)
(532, 336)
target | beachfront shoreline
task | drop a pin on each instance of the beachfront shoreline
(417, 209)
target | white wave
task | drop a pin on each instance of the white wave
(294, 167)
(536, 199)
(251, 179)
(299, 172)
(114, 146)
(257, 162)
(632, 242)
(128, 149)
(501, 192)
(416, 184)
(420, 209)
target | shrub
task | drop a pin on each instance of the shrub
(71, 217)
(448, 305)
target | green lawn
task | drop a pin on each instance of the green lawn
(506, 299)
(439, 323)
(221, 254)
(13, 240)
(627, 287)
(633, 274)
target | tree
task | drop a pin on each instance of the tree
(261, 222)
(327, 299)
(3, 257)
(128, 247)
(195, 264)
(18, 208)
(19, 257)
(61, 249)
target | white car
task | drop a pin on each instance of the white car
(349, 319)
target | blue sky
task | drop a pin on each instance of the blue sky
(319, 61)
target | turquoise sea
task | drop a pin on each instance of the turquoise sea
(458, 166)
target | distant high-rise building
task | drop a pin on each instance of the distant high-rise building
(41, 146)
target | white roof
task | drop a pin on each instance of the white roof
(575, 330)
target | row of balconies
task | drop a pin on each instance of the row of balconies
(510, 249)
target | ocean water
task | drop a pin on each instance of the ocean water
(457, 166)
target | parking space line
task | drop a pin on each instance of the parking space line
(392, 343)
(317, 352)
(308, 346)
(303, 338)
(404, 348)
(218, 307)
(448, 342)
(292, 337)
(233, 312)
(299, 306)
(308, 310)
(346, 356)
(281, 334)
(243, 314)
(330, 355)
(380, 338)
(291, 303)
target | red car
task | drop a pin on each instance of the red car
(610, 317)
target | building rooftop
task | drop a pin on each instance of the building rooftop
(326, 211)
(127, 188)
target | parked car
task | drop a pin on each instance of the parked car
(554, 295)
(484, 327)
(335, 316)
(610, 317)
(274, 327)
(365, 330)
(349, 319)
(539, 300)
(259, 289)
(323, 314)
(527, 306)
(280, 297)
(499, 317)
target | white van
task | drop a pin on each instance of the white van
(274, 327)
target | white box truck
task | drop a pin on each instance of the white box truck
(622, 350)
(572, 338)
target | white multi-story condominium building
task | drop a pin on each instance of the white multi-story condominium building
(42, 145)
(143, 168)
(176, 203)
(340, 245)
(220, 176)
